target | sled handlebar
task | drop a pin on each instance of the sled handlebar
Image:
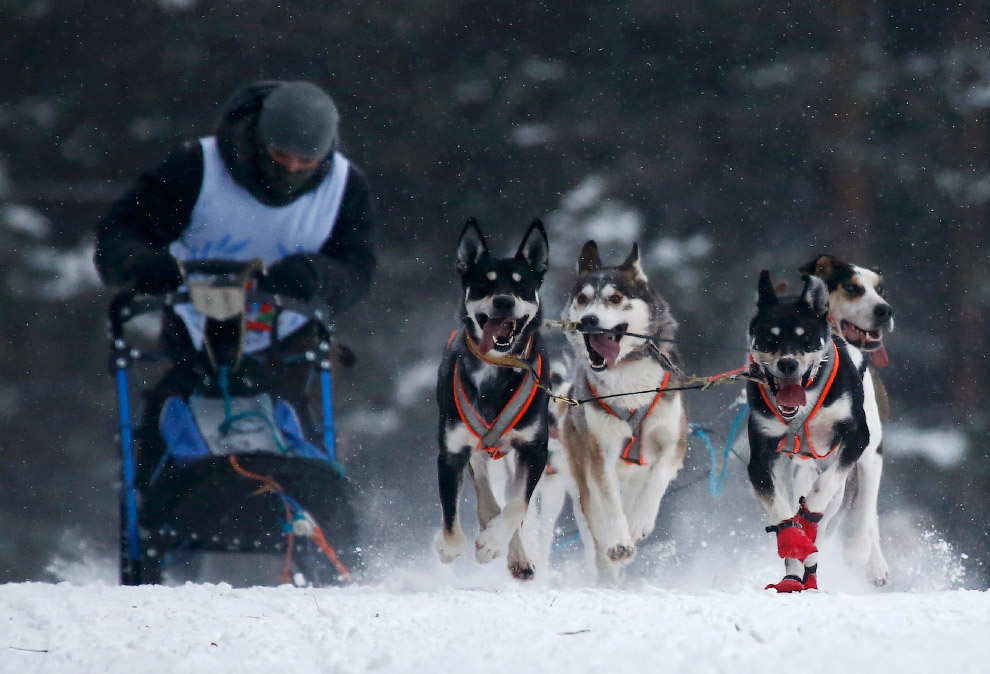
(129, 304)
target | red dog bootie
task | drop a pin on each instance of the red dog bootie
(808, 520)
(788, 584)
(796, 535)
(792, 541)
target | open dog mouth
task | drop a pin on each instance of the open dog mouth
(788, 393)
(603, 347)
(867, 340)
(499, 333)
(870, 341)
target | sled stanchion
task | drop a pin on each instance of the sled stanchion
(329, 433)
(129, 572)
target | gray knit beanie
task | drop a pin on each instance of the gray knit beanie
(298, 118)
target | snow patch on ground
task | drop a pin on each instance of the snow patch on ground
(502, 628)
(692, 602)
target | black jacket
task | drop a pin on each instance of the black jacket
(157, 210)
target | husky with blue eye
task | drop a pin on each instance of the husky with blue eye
(491, 403)
(813, 418)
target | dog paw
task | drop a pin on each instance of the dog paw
(878, 573)
(448, 546)
(640, 530)
(488, 546)
(522, 570)
(621, 552)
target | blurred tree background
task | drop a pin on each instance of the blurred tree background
(726, 136)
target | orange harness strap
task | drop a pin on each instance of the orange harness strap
(631, 453)
(796, 450)
(489, 435)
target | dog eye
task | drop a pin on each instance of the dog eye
(615, 299)
(880, 289)
(581, 300)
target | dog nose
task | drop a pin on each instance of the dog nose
(882, 311)
(503, 303)
(589, 321)
(787, 366)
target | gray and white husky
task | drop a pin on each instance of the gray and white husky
(622, 452)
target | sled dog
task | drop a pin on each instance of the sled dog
(490, 403)
(858, 308)
(813, 418)
(857, 304)
(623, 451)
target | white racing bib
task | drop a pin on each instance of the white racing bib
(228, 223)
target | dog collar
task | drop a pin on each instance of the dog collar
(508, 360)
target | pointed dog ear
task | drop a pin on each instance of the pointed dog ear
(815, 295)
(633, 267)
(589, 261)
(535, 249)
(471, 246)
(766, 295)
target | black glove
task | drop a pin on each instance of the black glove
(155, 271)
(294, 276)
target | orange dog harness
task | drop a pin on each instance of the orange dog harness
(490, 435)
(632, 453)
(796, 449)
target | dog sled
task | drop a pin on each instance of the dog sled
(238, 471)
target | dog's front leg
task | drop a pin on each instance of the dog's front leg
(772, 478)
(826, 487)
(488, 507)
(544, 509)
(642, 515)
(449, 542)
(531, 461)
(863, 546)
(601, 503)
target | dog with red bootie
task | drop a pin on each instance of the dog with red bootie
(813, 418)
(796, 538)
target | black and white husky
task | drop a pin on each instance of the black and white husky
(622, 452)
(490, 404)
(813, 418)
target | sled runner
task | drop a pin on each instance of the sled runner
(232, 467)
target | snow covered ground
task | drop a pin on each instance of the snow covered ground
(698, 609)
(502, 628)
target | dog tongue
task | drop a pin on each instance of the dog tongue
(791, 393)
(494, 328)
(879, 356)
(606, 347)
